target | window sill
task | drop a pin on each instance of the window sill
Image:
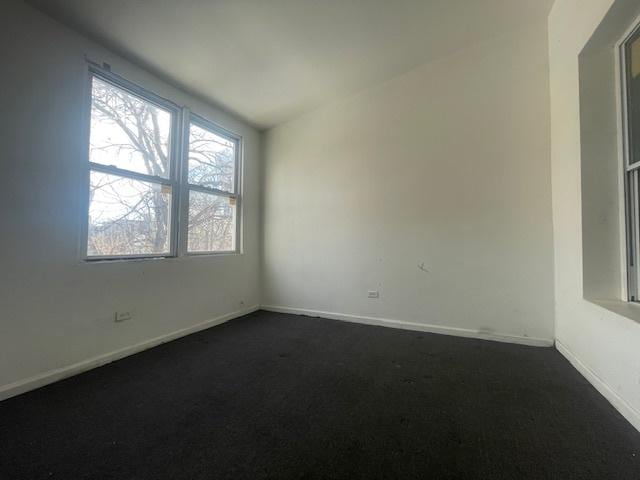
(102, 261)
(210, 254)
(628, 310)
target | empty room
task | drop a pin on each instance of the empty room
(304, 239)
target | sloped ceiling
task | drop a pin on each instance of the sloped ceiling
(271, 60)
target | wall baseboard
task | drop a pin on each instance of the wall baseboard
(419, 327)
(51, 376)
(619, 403)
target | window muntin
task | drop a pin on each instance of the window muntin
(135, 179)
(212, 183)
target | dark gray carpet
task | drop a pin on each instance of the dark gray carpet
(278, 396)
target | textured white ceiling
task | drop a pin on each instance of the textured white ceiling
(271, 60)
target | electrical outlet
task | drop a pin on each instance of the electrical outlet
(374, 294)
(123, 316)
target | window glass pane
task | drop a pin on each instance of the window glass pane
(212, 223)
(128, 132)
(211, 159)
(633, 55)
(128, 217)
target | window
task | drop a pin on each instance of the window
(153, 189)
(631, 76)
(211, 180)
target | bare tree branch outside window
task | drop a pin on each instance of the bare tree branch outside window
(130, 216)
(211, 217)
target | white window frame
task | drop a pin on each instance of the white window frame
(199, 121)
(181, 119)
(630, 173)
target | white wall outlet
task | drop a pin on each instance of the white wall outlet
(123, 316)
(374, 294)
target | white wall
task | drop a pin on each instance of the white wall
(446, 165)
(601, 213)
(600, 339)
(57, 310)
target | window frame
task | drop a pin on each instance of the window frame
(630, 170)
(181, 119)
(199, 121)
